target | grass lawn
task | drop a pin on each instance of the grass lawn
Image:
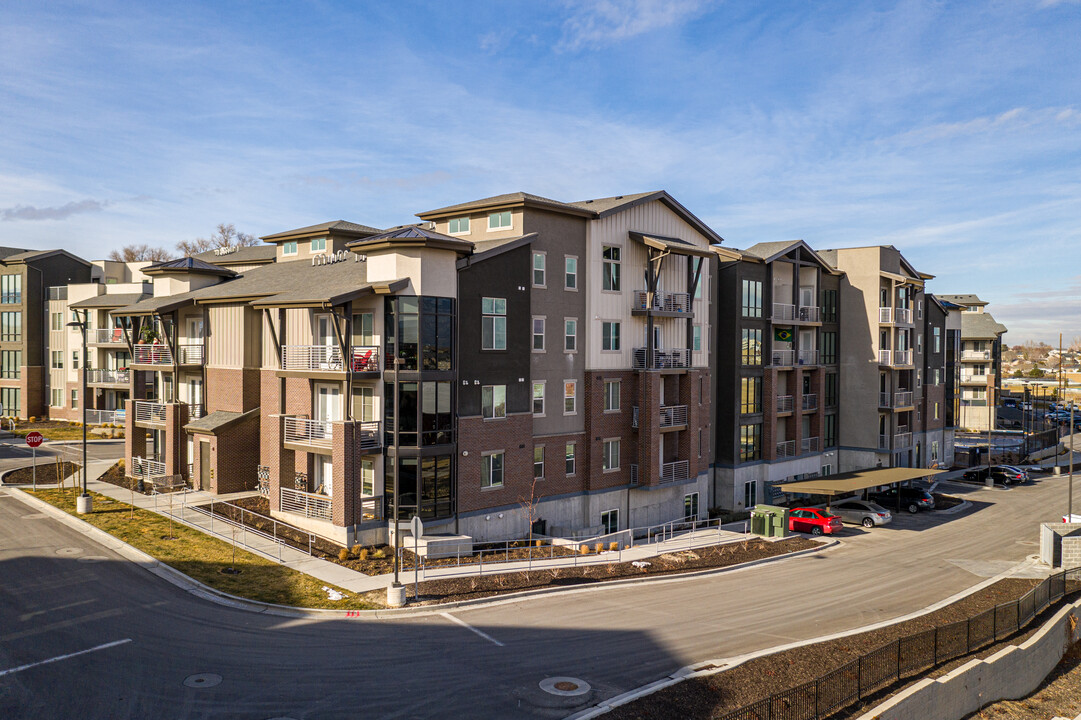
(51, 429)
(203, 558)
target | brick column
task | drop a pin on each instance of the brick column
(176, 417)
(134, 437)
(346, 451)
(769, 414)
(649, 412)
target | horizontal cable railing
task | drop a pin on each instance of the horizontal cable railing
(309, 432)
(153, 354)
(674, 471)
(661, 359)
(100, 417)
(365, 358)
(370, 436)
(809, 445)
(106, 336)
(808, 357)
(809, 313)
(786, 449)
(371, 507)
(149, 412)
(785, 404)
(191, 354)
(312, 357)
(783, 312)
(810, 401)
(307, 504)
(99, 376)
(784, 357)
(662, 301)
(196, 410)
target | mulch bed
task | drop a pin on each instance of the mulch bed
(717, 556)
(46, 473)
(115, 476)
(707, 697)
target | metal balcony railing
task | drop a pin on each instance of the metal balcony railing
(371, 507)
(152, 354)
(674, 471)
(309, 432)
(371, 436)
(106, 336)
(101, 417)
(975, 354)
(662, 301)
(786, 449)
(634, 474)
(902, 357)
(810, 401)
(668, 415)
(974, 377)
(661, 359)
(365, 358)
(191, 354)
(784, 357)
(885, 399)
(196, 410)
(810, 313)
(902, 316)
(809, 445)
(151, 413)
(808, 357)
(902, 398)
(884, 442)
(146, 469)
(785, 403)
(262, 476)
(885, 315)
(308, 504)
(902, 440)
(98, 376)
(783, 312)
(312, 357)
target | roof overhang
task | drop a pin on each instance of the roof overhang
(668, 244)
(462, 247)
(852, 481)
(726, 254)
(136, 311)
(306, 300)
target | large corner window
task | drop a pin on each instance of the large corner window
(426, 413)
(750, 395)
(751, 306)
(751, 347)
(750, 442)
(423, 336)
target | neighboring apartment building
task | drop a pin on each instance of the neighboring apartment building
(26, 279)
(883, 326)
(939, 386)
(776, 370)
(980, 363)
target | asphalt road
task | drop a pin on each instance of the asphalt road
(14, 452)
(53, 603)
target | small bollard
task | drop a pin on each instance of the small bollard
(395, 596)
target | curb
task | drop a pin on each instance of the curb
(206, 592)
(712, 667)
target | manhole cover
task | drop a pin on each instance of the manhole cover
(34, 516)
(202, 680)
(92, 559)
(69, 551)
(565, 686)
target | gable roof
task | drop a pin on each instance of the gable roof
(250, 255)
(506, 200)
(965, 300)
(23, 256)
(338, 227)
(770, 251)
(603, 207)
(410, 236)
(109, 301)
(187, 265)
(980, 325)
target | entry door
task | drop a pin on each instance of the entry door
(328, 402)
(195, 331)
(806, 297)
(324, 475)
(204, 465)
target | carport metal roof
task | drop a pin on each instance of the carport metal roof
(852, 481)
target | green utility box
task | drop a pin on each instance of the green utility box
(769, 521)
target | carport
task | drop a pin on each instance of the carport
(850, 482)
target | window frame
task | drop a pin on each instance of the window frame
(493, 316)
(543, 319)
(611, 269)
(492, 391)
(312, 250)
(567, 259)
(537, 462)
(572, 397)
(570, 456)
(606, 520)
(499, 216)
(607, 446)
(610, 387)
(611, 330)
(290, 247)
(459, 231)
(543, 269)
(543, 388)
(570, 339)
(488, 469)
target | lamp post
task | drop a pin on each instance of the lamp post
(396, 592)
(84, 503)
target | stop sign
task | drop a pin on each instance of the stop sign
(34, 439)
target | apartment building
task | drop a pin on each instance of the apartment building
(935, 449)
(108, 343)
(26, 277)
(776, 364)
(980, 376)
(882, 355)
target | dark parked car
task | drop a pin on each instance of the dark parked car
(1004, 474)
(912, 499)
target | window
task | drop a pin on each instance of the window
(829, 348)
(936, 339)
(696, 338)
(751, 349)
(492, 471)
(610, 455)
(538, 462)
(12, 364)
(493, 401)
(752, 299)
(10, 400)
(57, 397)
(919, 343)
(609, 336)
(750, 395)
(934, 450)
(493, 323)
(458, 226)
(695, 272)
(570, 391)
(57, 359)
(11, 289)
(319, 245)
(367, 478)
(538, 334)
(57, 320)
(499, 220)
(829, 431)
(831, 390)
(364, 330)
(74, 399)
(937, 416)
(919, 378)
(539, 274)
(610, 255)
(570, 273)
(937, 377)
(610, 521)
(570, 335)
(569, 452)
(11, 326)
(289, 248)
(611, 395)
(750, 442)
(364, 401)
(75, 359)
(538, 398)
(690, 505)
(829, 306)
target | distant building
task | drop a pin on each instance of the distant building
(980, 363)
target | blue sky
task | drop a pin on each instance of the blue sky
(951, 130)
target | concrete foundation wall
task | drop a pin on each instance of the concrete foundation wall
(1060, 544)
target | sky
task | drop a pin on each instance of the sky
(951, 130)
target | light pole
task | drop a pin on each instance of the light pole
(84, 503)
(396, 592)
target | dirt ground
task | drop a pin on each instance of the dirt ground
(46, 472)
(1058, 696)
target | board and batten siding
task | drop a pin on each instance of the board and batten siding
(602, 306)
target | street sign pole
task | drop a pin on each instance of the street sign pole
(416, 526)
(33, 440)
(34, 472)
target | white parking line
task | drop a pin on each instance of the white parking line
(58, 658)
(467, 626)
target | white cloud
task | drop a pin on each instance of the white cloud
(29, 212)
(594, 23)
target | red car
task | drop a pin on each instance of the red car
(813, 520)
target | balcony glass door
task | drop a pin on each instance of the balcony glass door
(328, 403)
(324, 476)
(325, 342)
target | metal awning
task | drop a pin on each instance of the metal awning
(852, 481)
(672, 245)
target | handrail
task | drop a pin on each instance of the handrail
(308, 504)
(309, 432)
(662, 301)
(661, 359)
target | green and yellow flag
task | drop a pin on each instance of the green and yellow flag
(782, 334)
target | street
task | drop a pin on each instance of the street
(62, 593)
(14, 452)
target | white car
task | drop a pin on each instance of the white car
(861, 512)
(1071, 518)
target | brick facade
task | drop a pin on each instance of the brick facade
(513, 435)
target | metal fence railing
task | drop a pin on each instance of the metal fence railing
(152, 354)
(234, 523)
(106, 336)
(906, 657)
(101, 417)
(151, 413)
(661, 358)
(102, 376)
(308, 504)
(145, 469)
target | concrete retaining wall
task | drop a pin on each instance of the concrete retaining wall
(1012, 673)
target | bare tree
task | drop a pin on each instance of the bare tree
(226, 235)
(139, 253)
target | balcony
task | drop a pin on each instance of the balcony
(319, 435)
(145, 469)
(786, 449)
(191, 354)
(883, 442)
(365, 359)
(808, 357)
(810, 401)
(149, 413)
(973, 378)
(371, 508)
(97, 376)
(101, 417)
(106, 336)
(670, 416)
(885, 316)
(677, 358)
(975, 354)
(783, 312)
(895, 358)
(809, 313)
(785, 404)
(310, 505)
(674, 471)
(195, 410)
(902, 316)
(154, 354)
(902, 440)
(328, 358)
(783, 358)
(809, 445)
(902, 398)
(665, 304)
